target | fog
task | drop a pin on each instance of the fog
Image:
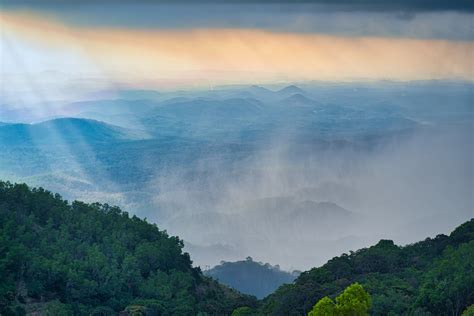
(299, 205)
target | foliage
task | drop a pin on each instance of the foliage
(353, 301)
(325, 306)
(449, 285)
(469, 311)
(95, 259)
(431, 277)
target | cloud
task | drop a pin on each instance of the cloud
(219, 56)
(439, 19)
(347, 5)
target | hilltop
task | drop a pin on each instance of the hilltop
(251, 277)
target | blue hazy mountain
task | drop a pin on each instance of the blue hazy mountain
(62, 131)
(289, 90)
(207, 118)
(122, 112)
(298, 99)
(251, 277)
(236, 108)
(259, 89)
(249, 119)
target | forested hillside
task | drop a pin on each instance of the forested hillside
(251, 277)
(431, 277)
(60, 258)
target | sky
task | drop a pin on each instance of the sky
(176, 44)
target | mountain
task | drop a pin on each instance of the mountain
(250, 277)
(122, 112)
(200, 107)
(298, 215)
(431, 277)
(268, 214)
(60, 258)
(205, 118)
(264, 224)
(260, 92)
(298, 99)
(62, 131)
(289, 90)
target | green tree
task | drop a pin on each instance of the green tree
(325, 306)
(469, 311)
(449, 285)
(354, 301)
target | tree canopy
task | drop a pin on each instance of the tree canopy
(431, 277)
(61, 258)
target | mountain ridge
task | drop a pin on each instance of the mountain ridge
(59, 130)
(291, 89)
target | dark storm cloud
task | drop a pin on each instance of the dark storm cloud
(450, 20)
(376, 5)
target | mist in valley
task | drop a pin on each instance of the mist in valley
(291, 176)
(299, 207)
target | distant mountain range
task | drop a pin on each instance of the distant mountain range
(248, 166)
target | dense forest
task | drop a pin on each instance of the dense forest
(431, 277)
(60, 258)
(251, 277)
